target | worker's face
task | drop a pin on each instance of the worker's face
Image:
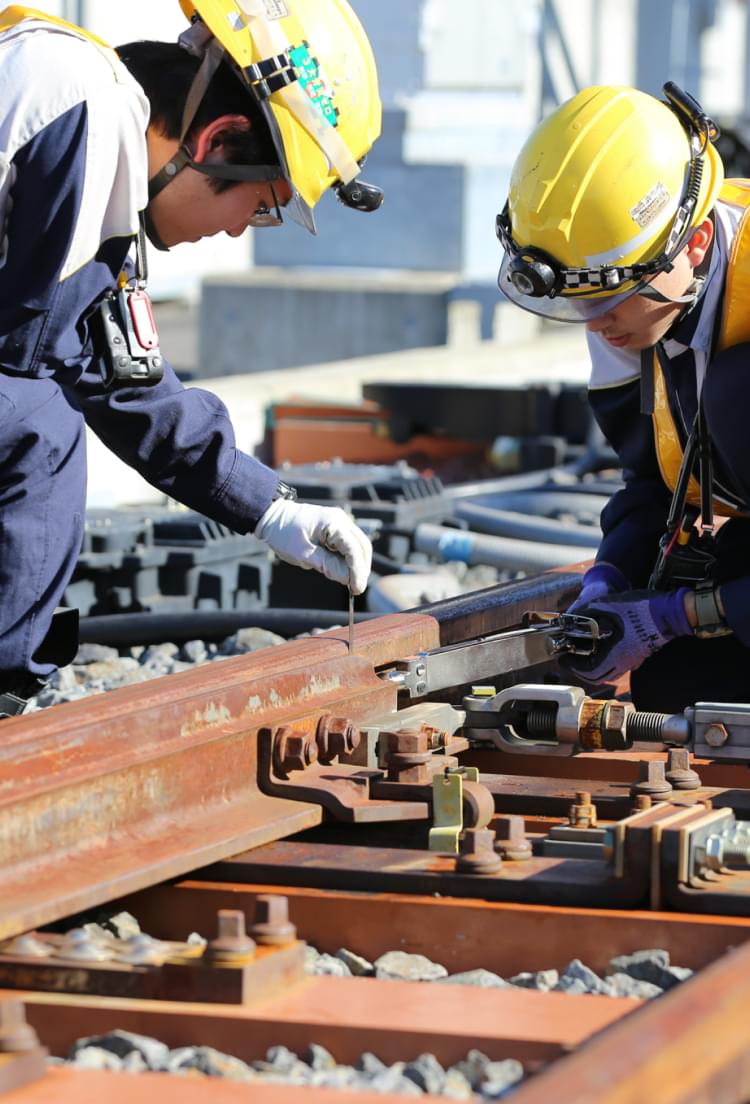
(188, 209)
(638, 323)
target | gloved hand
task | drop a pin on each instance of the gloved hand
(601, 579)
(320, 537)
(639, 622)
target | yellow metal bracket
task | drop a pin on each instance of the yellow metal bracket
(447, 807)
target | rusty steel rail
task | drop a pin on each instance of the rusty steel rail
(108, 795)
(690, 1046)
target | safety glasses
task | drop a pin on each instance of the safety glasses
(264, 215)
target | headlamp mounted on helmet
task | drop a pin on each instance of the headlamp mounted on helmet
(536, 274)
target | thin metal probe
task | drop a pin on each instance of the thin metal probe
(351, 622)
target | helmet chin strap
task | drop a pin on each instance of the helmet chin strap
(152, 234)
(691, 296)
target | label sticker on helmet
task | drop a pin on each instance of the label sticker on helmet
(275, 9)
(313, 83)
(650, 206)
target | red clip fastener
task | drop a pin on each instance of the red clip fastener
(142, 315)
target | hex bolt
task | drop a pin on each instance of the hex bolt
(651, 780)
(271, 926)
(614, 725)
(16, 1035)
(408, 756)
(641, 803)
(476, 852)
(336, 736)
(293, 750)
(728, 848)
(582, 812)
(679, 772)
(716, 735)
(232, 945)
(512, 841)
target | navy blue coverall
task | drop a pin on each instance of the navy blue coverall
(71, 127)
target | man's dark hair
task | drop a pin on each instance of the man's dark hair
(165, 72)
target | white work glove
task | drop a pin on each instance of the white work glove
(320, 537)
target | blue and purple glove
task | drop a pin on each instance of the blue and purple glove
(601, 579)
(639, 623)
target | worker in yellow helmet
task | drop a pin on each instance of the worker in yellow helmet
(259, 108)
(618, 217)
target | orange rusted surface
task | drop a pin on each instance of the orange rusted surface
(462, 935)
(104, 796)
(617, 766)
(68, 1086)
(691, 1046)
(396, 1020)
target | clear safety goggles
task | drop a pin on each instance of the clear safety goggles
(538, 283)
(581, 307)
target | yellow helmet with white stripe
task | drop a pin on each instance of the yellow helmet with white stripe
(602, 196)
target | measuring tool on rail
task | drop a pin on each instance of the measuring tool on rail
(543, 636)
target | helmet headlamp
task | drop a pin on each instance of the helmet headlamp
(530, 273)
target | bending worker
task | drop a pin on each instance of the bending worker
(618, 217)
(260, 107)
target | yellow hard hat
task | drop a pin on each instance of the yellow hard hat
(603, 195)
(311, 68)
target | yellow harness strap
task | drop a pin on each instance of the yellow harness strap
(735, 329)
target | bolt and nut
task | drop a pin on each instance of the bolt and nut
(271, 926)
(408, 756)
(511, 839)
(476, 852)
(651, 780)
(679, 772)
(336, 736)
(293, 750)
(728, 848)
(16, 1035)
(232, 945)
(582, 812)
(716, 735)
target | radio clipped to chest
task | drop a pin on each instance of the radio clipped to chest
(131, 341)
(131, 351)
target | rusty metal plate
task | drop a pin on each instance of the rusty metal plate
(462, 935)
(577, 882)
(69, 1086)
(393, 1019)
(272, 970)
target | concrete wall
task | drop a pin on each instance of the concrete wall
(273, 319)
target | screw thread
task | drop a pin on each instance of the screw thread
(646, 726)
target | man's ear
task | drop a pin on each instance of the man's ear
(700, 240)
(209, 144)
